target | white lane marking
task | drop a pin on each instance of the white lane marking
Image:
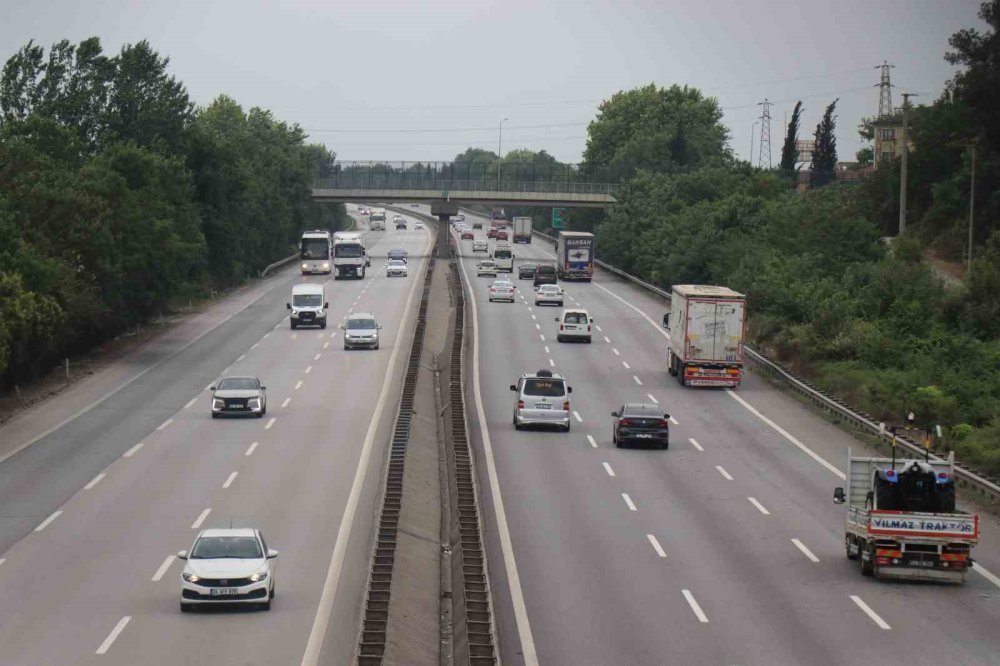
(254, 346)
(298, 385)
(279, 324)
(317, 633)
(242, 356)
(164, 424)
(538, 326)
(268, 334)
(805, 551)
(656, 545)
(882, 624)
(201, 518)
(333, 334)
(695, 607)
(252, 448)
(2, 560)
(985, 574)
(295, 336)
(626, 365)
(285, 403)
(812, 454)
(119, 628)
(760, 507)
(577, 416)
(547, 349)
(190, 402)
(48, 521)
(595, 325)
(616, 352)
(94, 481)
(270, 422)
(607, 468)
(641, 313)
(695, 444)
(637, 380)
(309, 369)
(529, 307)
(208, 387)
(724, 473)
(542, 336)
(652, 398)
(534, 317)
(607, 339)
(229, 481)
(131, 452)
(163, 568)
(325, 345)
(629, 502)
(317, 356)
(552, 363)
(674, 421)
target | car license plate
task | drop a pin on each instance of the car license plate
(543, 406)
(224, 591)
(643, 435)
(921, 563)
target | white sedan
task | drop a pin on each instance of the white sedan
(486, 267)
(228, 566)
(551, 294)
(418, 225)
(480, 246)
(502, 290)
(396, 268)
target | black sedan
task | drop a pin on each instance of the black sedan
(641, 423)
(526, 271)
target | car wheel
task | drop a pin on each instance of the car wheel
(664, 446)
(293, 325)
(588, 340)
(376, 345)
(272, 592)
(323, 325)
(260, 415)
(214, 415)
(346, 348)
(559, 338)
(185, 608)
(517, 426)
(566, 427)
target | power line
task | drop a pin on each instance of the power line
(442, 130)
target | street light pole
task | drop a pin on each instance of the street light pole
(972, 207)
(906, 150)
(500, 151)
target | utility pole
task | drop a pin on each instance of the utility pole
(499, 151)
(906, 151)
(765, 134)
(753, 128)
(972, 207)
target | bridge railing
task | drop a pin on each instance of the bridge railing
(460, 176)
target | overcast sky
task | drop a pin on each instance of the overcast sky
(362, 75)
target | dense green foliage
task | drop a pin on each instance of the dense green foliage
(119, 198)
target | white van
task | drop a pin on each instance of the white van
(574, 324)
(308, 306)
(504, 257)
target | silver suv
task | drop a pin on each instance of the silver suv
(542, 399)
(361, 330)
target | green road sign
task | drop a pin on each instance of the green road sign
(558, 218)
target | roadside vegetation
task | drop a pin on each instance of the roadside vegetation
(119, 198)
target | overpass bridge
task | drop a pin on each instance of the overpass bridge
(446, 185)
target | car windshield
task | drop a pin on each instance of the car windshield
(503, 285)
(348, 250)
(355, 324)
(642, 411)
(547, 270)
(396, 254)
(395, 263)
(501, 254)
(548, 388)
(307, 300)
(238, 384)
(549, 288)
(235, 547)
(486, 264)
(575, 318)
(527, 267)
(315, 248)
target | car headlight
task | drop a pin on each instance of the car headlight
(253, 403)
(190, 577)
(326, 264)
(217, 403)
(305, 266)
(257, 577)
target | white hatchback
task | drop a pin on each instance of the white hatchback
(228, 566)
(486, 267)
(574, 324)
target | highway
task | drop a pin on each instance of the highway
(95, 510)
(724, 549)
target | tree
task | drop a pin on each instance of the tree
(979, 83)
(865, 156)
(789, 152)
(824, 159)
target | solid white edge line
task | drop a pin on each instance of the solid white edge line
(190, 402)
(252, 448)
(241, 357)
(882, 624)
(201, 519)
(760, 507)
(317, 633)
(656, 545)
(985, 574)
(131, 452)
(164, 424)
(695, 606)
(628, 502)
(106, 645)
(812, 454)
(576, 415)
(805, 551)
(593, 442)
(528, 653)
(95, 481)
(695, 444)
(724, 473)
(163, 568)
(270, 422)
(652, 398)
(641, 313)
(607, 468)
(229, 481)
(48, 521)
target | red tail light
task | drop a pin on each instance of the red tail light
(520, 404)
(561, 327)
(566, 405)
(625, 422)
(664, 423)
(588, 328)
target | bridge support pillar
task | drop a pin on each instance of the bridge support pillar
(443, 210)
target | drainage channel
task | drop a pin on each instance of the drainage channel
(371, 648)
(476, 593)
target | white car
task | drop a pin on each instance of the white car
(230, 566)
(574, 324)
(549, 294)
(502, 290)
(480, 246)
(396, 268)
(418, 225)
(242, 396)
(486, 267)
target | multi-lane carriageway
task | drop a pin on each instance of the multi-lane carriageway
(725, 549)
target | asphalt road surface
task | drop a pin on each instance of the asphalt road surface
(95, 510)
(724, 549)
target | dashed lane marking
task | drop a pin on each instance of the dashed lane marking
(760, 507)
(724, 473)
(163, 568)
(805, 551)
(628, 502)
(699, 613)
(656, 545)
(119, 628)
(607, 468)
(882, 624)
(201, 519)
(94, 481)
(695, 444)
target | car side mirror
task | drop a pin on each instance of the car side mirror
(326, 306)
(666, 320)
(615, 414)
(379, 327)
(838, 495)
(271, 553)
(182, 554)
(211, 388)
(557, 319)
(666, 417)
(513, 387)
(592, 320)
(263, 388)
(288, 306)
(569, 389)
(342, 327)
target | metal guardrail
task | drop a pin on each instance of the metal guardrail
(282, 262)
(987, 487)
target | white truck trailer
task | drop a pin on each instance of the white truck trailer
(706, 325)
(350, 259)
(575, 255)
(522, 230)
(902, 522)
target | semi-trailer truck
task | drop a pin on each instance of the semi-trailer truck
(575, 255)
(706, 325)
(350, 259)
(522, 230)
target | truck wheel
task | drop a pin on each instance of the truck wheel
(867, 566)
(848, 542)
(671, 365)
